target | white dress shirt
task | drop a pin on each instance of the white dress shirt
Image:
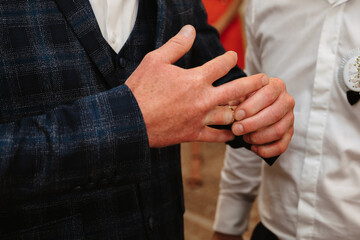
(116, 19)
(313, 190)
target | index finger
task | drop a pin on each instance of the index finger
(239, 88)
(217, 67)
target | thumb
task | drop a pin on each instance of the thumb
(178, 45)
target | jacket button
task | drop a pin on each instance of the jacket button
(151, 223)
(122, 62)
(77, 189)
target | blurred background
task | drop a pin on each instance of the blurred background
(200, 201)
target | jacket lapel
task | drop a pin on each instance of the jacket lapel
(171, 16)
(79, 15)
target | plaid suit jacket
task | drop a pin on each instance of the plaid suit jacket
(74, 156)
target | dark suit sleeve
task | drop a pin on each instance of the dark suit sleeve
(66, 147)
(206, 47)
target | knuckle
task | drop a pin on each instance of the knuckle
(291, 101)
(262, 151)
(202, 108)
(288, 99)
(276, 114)
(279, 131)
(150, 58)
(201, 76)
(291, 131)
(280, 83)
(281, 149)
(252, 138)
(207, 103)
(292, 118)
(269, 97)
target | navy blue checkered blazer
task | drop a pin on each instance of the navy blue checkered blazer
(74, 156)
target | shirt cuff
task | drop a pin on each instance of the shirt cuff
(232, 216)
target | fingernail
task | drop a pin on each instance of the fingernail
(239, 129)
(265, 80)
(234, 53)
(187, 31)
(246, 138)
(240, 115)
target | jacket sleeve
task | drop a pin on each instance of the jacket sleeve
(72, 144)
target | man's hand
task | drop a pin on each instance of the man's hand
(266, 119)
(221, 236)
(177, 104)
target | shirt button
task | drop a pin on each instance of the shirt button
(122, 62)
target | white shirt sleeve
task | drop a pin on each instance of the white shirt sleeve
(240, 178)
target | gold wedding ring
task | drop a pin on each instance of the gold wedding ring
(232, 108)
